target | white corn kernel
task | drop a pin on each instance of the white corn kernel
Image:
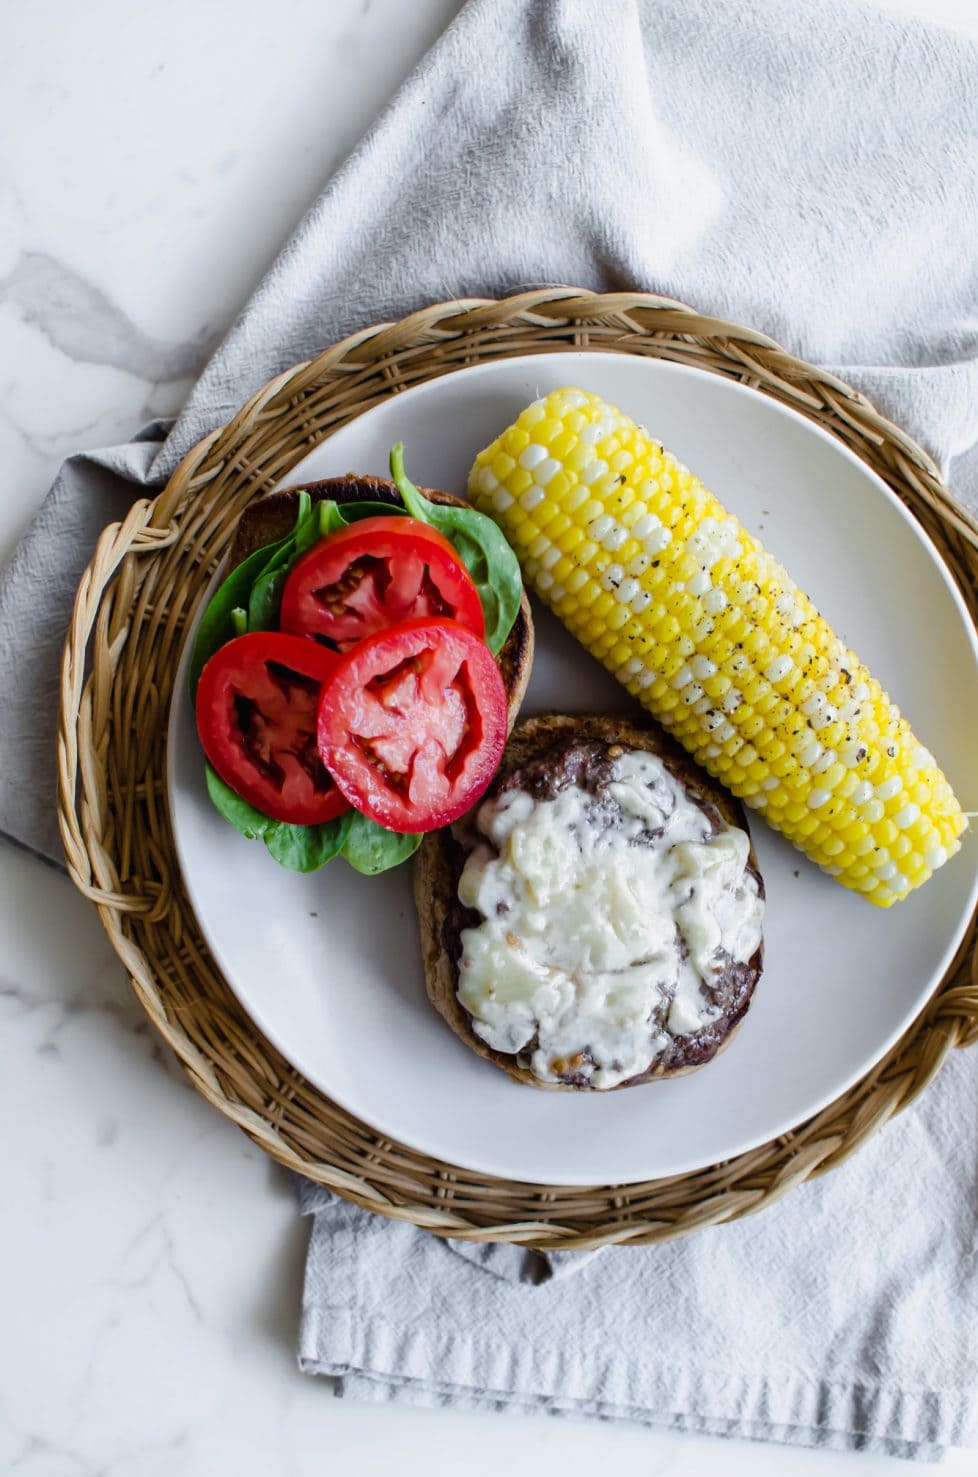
(593, 472)
(779, 668)
(653, 543)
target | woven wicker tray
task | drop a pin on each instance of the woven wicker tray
(136, 601)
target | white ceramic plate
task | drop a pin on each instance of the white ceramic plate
(328, 965)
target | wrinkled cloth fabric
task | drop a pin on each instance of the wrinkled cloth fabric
(811, 171)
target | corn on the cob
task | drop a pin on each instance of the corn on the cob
(710, 633)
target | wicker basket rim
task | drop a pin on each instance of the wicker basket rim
(138, 594)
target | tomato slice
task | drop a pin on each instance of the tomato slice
(412, 723)
(373, 574)
(257, 701)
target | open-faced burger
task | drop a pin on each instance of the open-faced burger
(596, 921)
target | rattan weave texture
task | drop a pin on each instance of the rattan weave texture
(137, 599)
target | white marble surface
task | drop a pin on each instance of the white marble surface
(150, 1258)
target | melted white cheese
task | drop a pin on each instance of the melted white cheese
(593, 940)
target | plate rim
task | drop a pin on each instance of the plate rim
(295, 477)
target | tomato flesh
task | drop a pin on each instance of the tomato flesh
(412, 723)
(256, 708)
(374, 574)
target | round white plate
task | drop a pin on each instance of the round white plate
(328, 965)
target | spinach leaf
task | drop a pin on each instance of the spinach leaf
(228, 610)
(481, 547)
(312, 524)
(353, 512)
(306, 848)
(219, 624)
(300, 848)
(365, 845)
(371, 848)
(242, 816)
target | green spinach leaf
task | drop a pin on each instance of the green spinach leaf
(300, 848)
(367, 847)
(481, 547)
(219, 624)
(313, 523)
(371, 848)
(306, 848)
(242, 816)
(353, 512)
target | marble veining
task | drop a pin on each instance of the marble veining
(80, 320)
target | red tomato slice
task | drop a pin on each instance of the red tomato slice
(256, 715)
(412, 724)
(374, 574)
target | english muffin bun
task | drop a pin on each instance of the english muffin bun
(584, 763)
(272, 517)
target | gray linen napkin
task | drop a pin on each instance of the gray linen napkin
(809, 170)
